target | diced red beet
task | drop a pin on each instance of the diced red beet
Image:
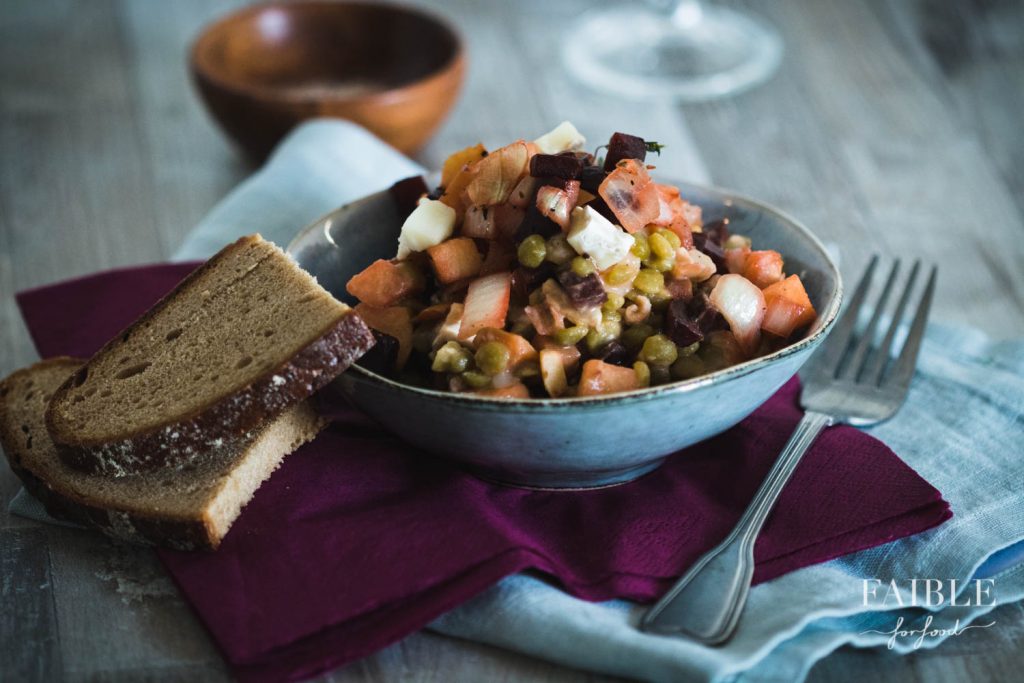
(679, 327)
(535, 223)
(407, 193)
(616, 353)
(525, 280)
(583, 292)
(591, 178)
(382, 356)
(624, 146)
(709, 245)
(556, 166)
(717, 231)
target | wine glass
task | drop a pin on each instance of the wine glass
(689, 51)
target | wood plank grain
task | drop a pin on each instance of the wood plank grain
(29, 641)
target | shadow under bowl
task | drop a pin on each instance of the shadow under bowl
(262, 70)
(577, 442)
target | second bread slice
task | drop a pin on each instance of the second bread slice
(243, 338)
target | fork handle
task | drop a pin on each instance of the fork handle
(705, 604)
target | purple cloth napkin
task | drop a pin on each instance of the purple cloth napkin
(358, 539)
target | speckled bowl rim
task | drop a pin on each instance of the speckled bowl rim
(826, 319)
(271, 93)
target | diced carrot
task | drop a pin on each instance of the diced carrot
(517, 390)
(599, 377)
(520, 351)
(789, 307)
(763, 267)
(736, 259)
(395, 321)
(486, 304)
(384, 283)
(631, 195)
(454, 164)
(455, 259)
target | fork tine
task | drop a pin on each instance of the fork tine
(835, 345)
(876, 365)
(867, 337)
(903, 368)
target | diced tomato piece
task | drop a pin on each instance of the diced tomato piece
(599, 377)
(520, 351)
(789, 307)
(486, 304)
(763, 267)
(455, 259)
(384, 283)
(517, 390)
(736, 259)
(631, 195)
(454, 164)
(673, 214)
(391, 320)
(497, 174)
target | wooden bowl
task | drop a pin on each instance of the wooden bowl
(394, 70)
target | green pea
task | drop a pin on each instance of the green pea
(688, 367)
(672, 238)
(559, 251)
(450, 358)
(476, 380)
(643, 373)
(619, 274)
(570, 336)
(633, 337)
(641, 249)
(689, 350)
(649, 281)
(532, 251)
(492, 357)
(613, 303)
(660, 246)
(582, 266)
(659, 350)
(662, 265)
(611, 316)
(601, 335)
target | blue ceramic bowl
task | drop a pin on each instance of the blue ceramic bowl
(585, 441)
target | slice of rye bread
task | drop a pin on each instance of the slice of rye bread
(185, 509)
(241, 339)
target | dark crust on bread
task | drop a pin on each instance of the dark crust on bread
(182, 443)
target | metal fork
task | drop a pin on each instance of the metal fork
(849, 380)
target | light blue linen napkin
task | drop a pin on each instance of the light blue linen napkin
(961, 429)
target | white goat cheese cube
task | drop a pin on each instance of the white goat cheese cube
(430, 223)
(564, 137)
(592, 234)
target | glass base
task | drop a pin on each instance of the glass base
(700, 52)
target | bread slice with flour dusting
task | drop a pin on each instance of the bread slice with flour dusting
(187, 509)
(243, 338)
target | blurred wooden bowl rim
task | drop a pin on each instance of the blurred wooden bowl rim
(394, 69)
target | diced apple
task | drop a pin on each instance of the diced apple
(384, 283)
(449, 329)
(455, 259)
(592, 234)
(763, 268)
(552, 373)
(742, 304)
(789, 307)
(520, 351)
(486, 304)
(430, 223)
(599, 378)
(563, 138)
(391, 320)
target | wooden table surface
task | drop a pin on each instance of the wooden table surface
(891, 126)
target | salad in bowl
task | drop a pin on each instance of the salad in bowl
(541, 270)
